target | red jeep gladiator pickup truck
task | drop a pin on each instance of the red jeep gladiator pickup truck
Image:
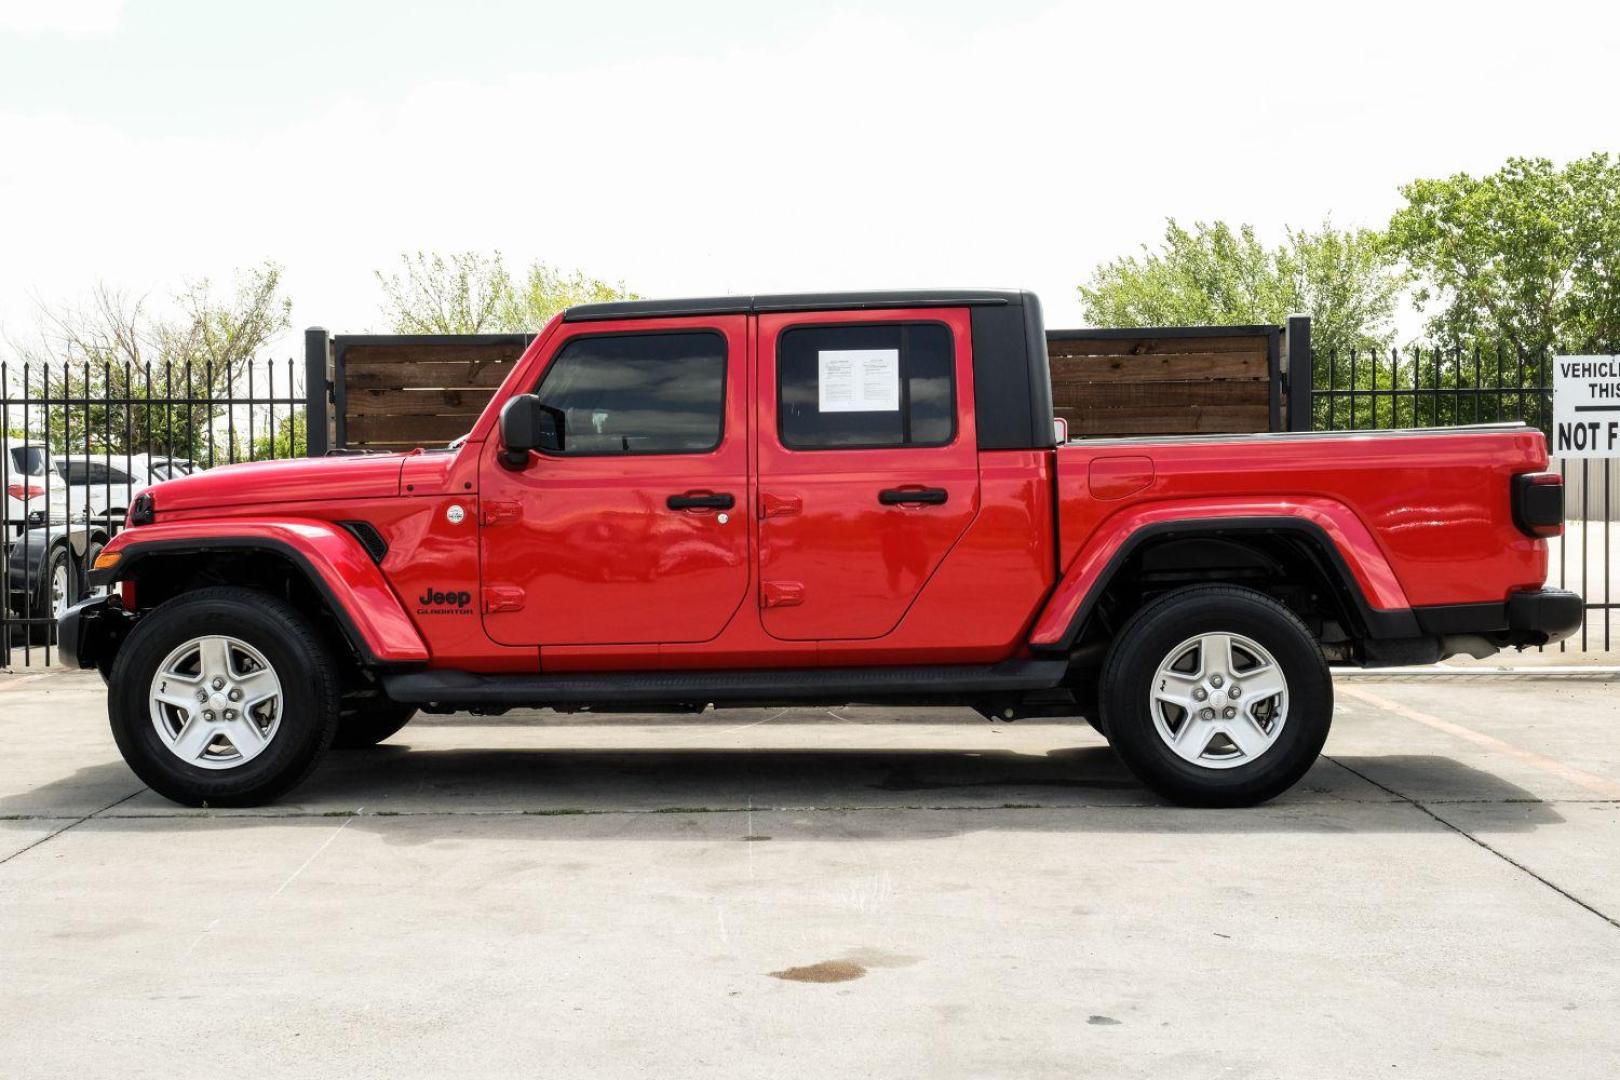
(825, 498)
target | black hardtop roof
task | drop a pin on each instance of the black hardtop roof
(822, 301)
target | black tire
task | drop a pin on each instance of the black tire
(369, 719)
(1153, 633)
(311, 696)
(92, 551)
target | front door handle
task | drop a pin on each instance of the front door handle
(721, 501)
(920, 495)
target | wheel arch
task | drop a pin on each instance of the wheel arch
(318, 564)
(1301, 547)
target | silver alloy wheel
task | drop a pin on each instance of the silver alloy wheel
(1219, 700)
(59, 591)
(216, 702)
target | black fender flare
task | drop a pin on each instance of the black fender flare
(1374, 622)
(138, 551)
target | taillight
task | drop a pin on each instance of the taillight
(1538, 504)
(25, 491)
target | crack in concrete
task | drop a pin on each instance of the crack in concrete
(71, 824)
(1395, 798)
(1464, 833)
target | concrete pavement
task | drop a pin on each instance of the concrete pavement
(903, 894)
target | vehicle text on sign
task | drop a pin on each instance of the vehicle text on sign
(1586, 406)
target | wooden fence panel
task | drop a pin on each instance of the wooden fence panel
(409, 391)
(397, 392)
(1174, 381)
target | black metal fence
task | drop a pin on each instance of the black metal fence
(79, 441)
(1416, 388)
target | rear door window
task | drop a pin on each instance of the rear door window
(873, 386)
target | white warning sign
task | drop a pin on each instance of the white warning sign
(1586, 406)
(859, 380)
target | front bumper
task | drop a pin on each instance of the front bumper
(88, 633)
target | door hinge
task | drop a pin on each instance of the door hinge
(496, 512)
(781, 594)
(503, 598)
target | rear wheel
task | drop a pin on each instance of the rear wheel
(369, 719)
(1217, 696)
(223, 697)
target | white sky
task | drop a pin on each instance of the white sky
(742, 146)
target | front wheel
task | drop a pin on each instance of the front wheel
(223, 697)
(1217, 696)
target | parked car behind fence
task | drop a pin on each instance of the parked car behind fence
(27, 484)
(77, 444)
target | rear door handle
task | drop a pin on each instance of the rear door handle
(721, 501)
(922, 495)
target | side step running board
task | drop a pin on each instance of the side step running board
(837, 686)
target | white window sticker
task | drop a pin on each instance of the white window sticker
(859, 380)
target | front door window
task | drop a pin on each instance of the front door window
(639, 393)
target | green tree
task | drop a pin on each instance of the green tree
(1526, 258)
(545, 291)
(287, 441)
(1347, 281)
(127, 361)
(468, 292)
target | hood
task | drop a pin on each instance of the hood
(368, 476)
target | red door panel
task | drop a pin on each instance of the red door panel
(849, 535)
(588, 550)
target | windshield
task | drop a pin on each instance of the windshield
(171, 468)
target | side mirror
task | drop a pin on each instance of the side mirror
(527, 424)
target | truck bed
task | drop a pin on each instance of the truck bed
(1436, 503)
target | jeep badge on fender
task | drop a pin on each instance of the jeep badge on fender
(443, 603)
